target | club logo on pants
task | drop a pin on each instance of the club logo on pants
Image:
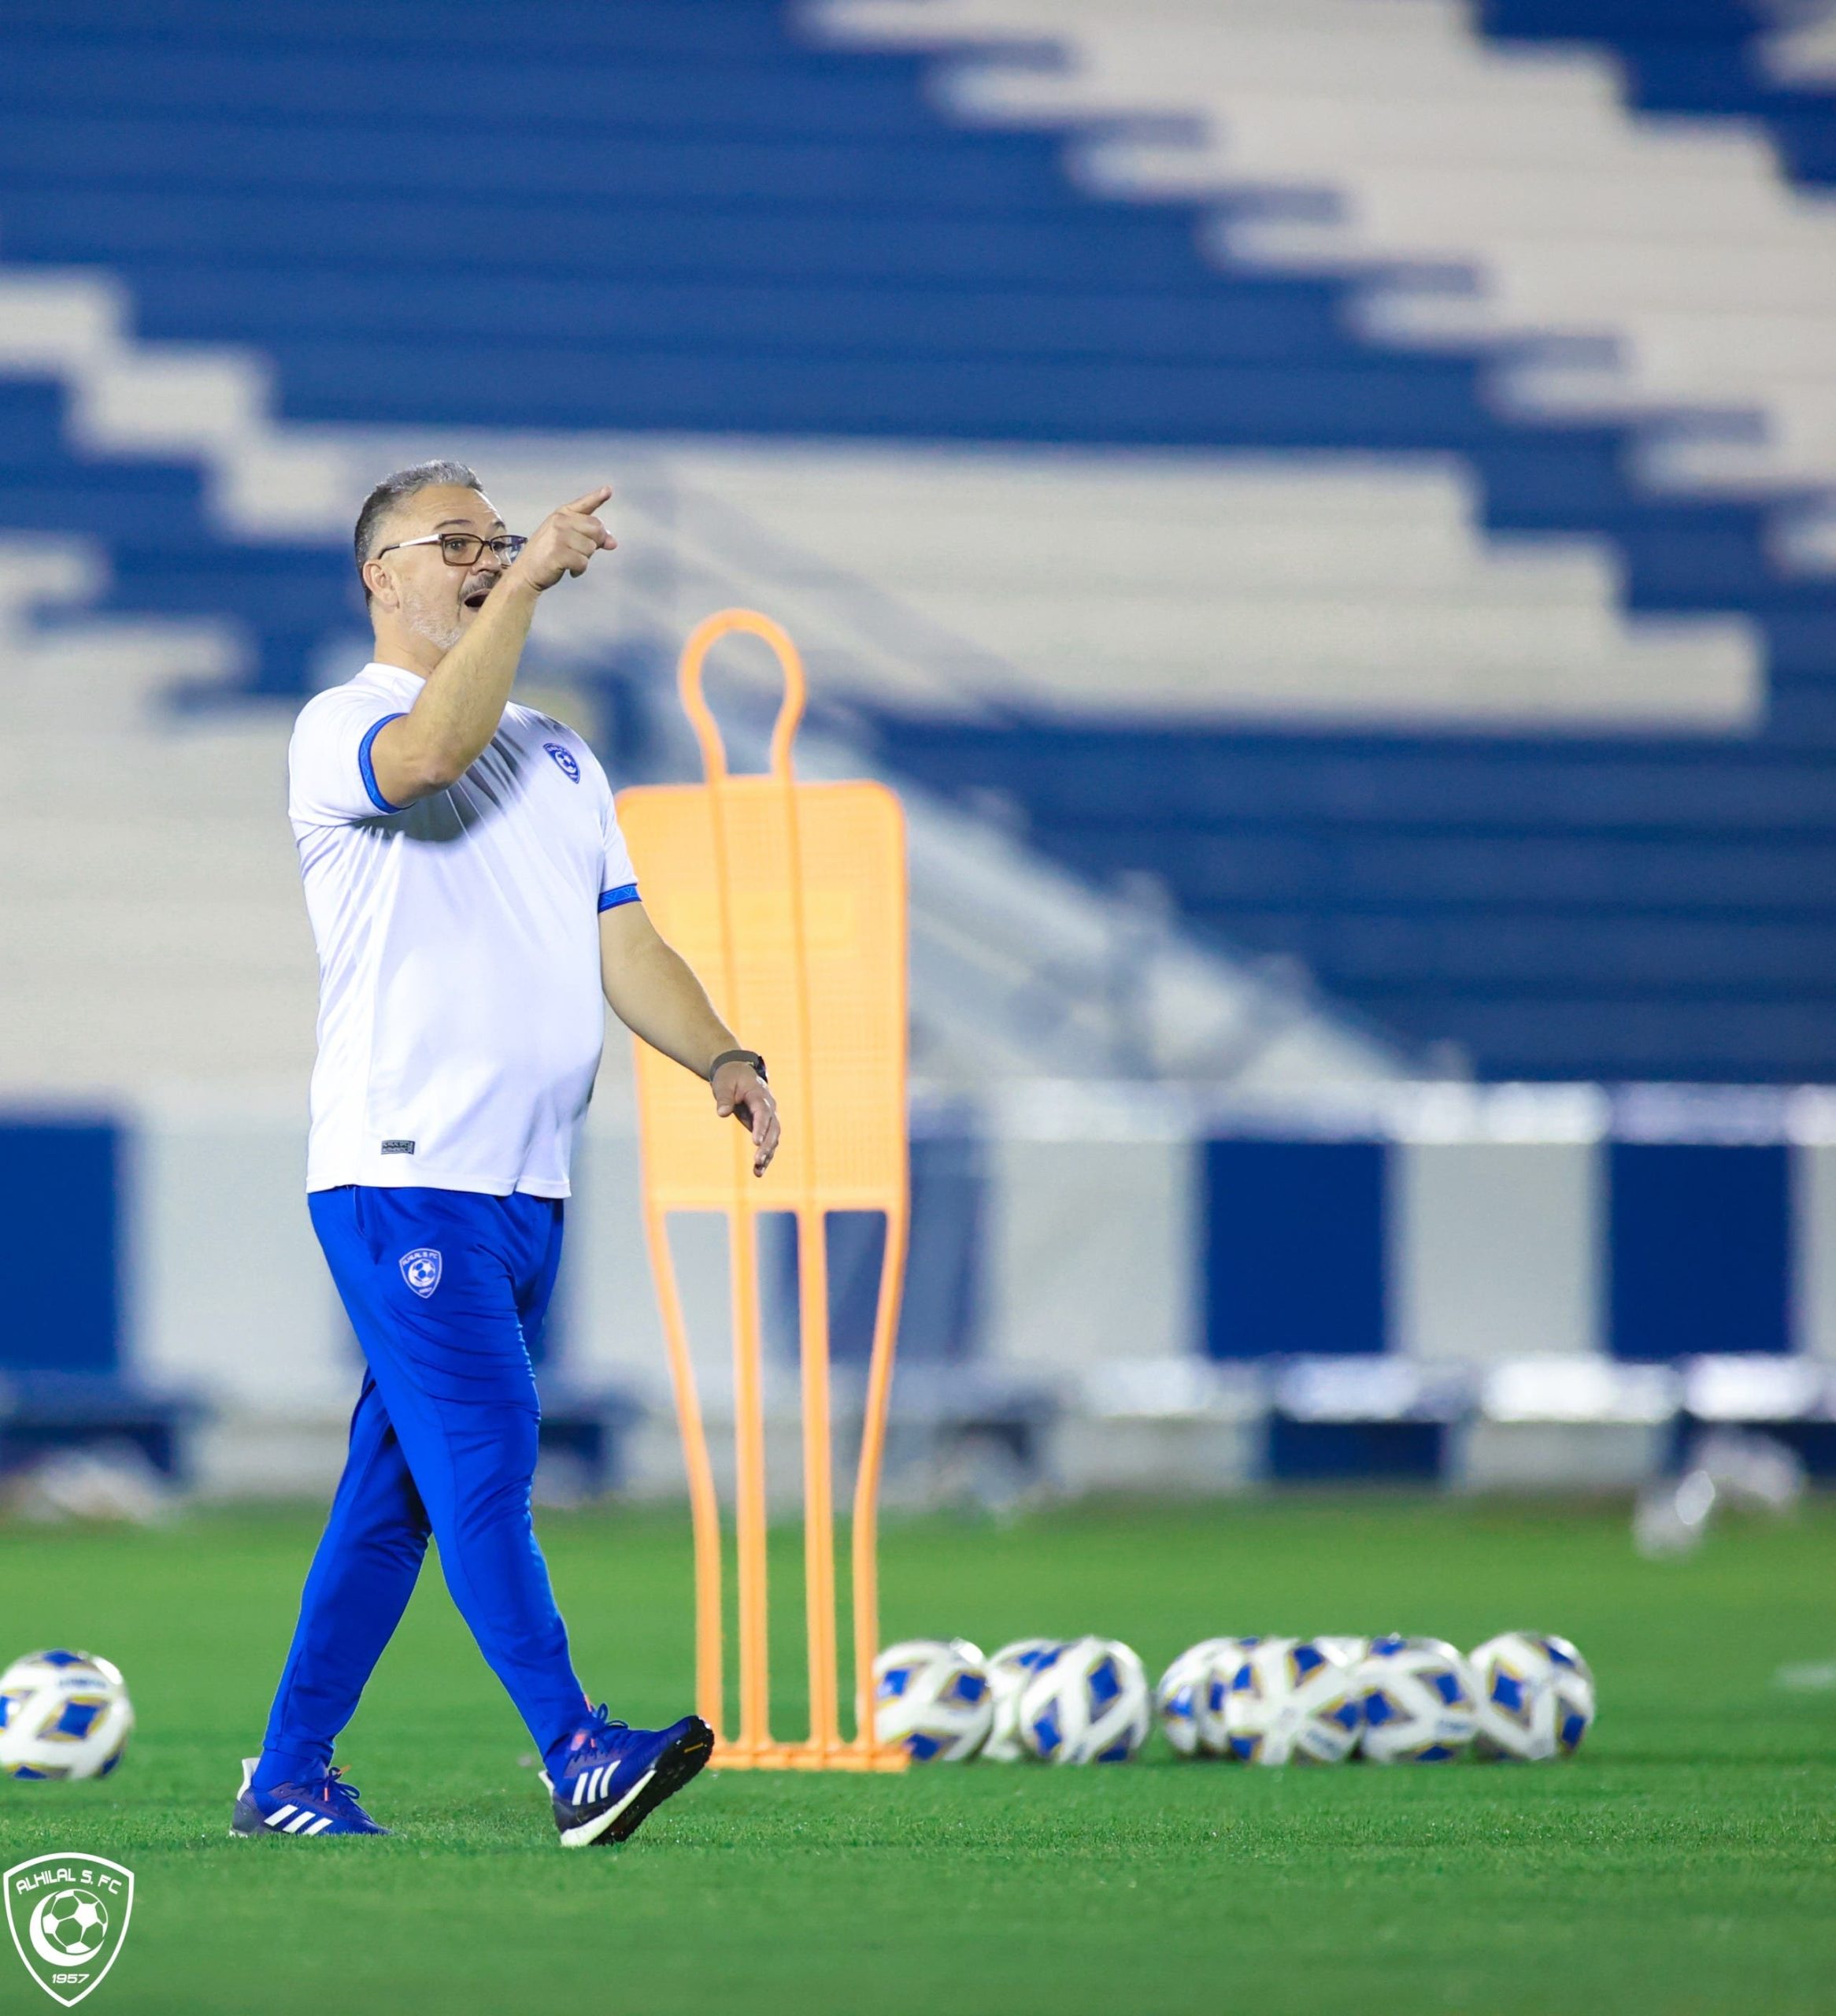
(67, 1915)
(421, 1270)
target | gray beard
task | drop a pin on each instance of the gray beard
(442, 635)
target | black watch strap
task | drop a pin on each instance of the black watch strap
(740, 1056)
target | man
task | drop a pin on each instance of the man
(471, 896)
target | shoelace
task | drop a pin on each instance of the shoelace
(601, 1726)
(333, 1790)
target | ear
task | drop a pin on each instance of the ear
(380, 582)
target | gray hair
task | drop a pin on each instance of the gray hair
(395, 489)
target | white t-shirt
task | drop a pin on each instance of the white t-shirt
(461, 1016)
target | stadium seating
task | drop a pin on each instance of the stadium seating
(688, 218)
(167, 557)
(1722, 56)
(1544, 937)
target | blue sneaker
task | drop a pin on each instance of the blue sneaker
(325, 1806)
(615, 1776)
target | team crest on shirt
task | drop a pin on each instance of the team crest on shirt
(564, 762)
(421, 1270)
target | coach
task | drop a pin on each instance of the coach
(472, 898)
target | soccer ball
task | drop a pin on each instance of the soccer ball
(1088, 1703)
(1418, 1699)
(932, 1698)
(75, 1922)
(62, 1715)
(1008, 1671)
(1535, 1697)
(1291, 1702)
(1189, 1700)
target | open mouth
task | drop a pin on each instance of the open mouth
(475, 598)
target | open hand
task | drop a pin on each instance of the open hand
(739, 1090)
(566, 540)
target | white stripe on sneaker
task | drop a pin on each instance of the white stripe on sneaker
(276, 1818)
(304, 1820)
(580, 1789)
(318, 1826)
(591, 1830)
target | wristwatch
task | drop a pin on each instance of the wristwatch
(739, 1057)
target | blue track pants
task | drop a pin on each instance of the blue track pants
(445, 1290)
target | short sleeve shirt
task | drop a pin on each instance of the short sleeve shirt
(461, 1014)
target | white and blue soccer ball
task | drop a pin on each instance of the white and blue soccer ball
(1535, 1697)
(1009, 1669)
(1291, 1702)
(1419, 1701)
(931, 1697)
(1088, 1702)
(63, 1715)
(1189, 1700)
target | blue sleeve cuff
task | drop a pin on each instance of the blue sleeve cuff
(610, 899)
(367, 770)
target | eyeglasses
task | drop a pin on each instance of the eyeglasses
(463, 549)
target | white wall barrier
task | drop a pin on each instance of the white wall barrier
(1112, 1285)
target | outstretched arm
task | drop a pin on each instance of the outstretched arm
(653, 991)
(458, 710)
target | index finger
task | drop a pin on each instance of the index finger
(592, 501)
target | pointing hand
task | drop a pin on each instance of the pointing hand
(566, 540)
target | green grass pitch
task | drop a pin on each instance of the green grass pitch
(1685, 1862)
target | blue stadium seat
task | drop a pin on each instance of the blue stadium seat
(681, 218)
(1688, 56)
(166, 556)
(1629, 909)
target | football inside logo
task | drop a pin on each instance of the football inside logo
(421, 1270)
